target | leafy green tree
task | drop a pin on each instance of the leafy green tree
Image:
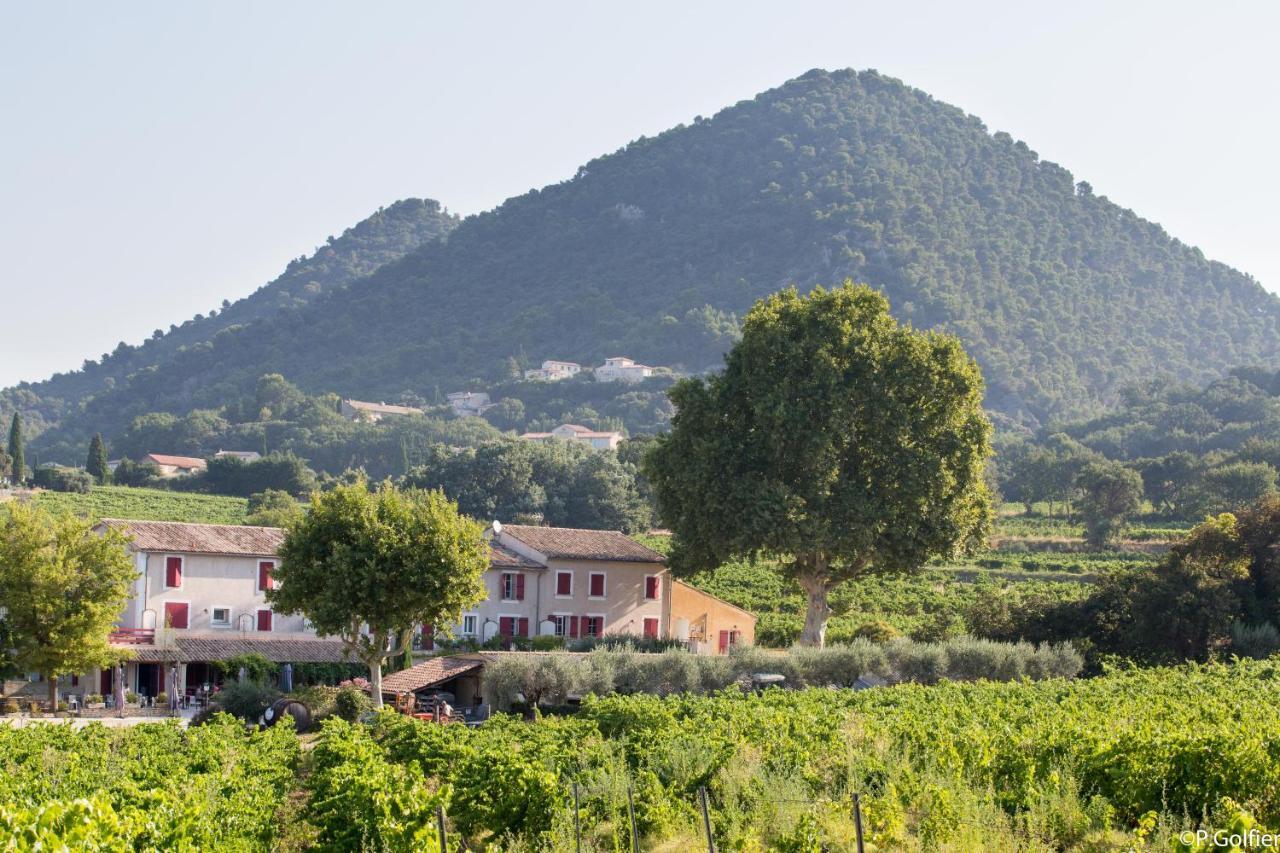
(62, 586)
(6, 465)
(835, 436)
(1183, 608)
(370, 566)
(17, 456)
(1110, 494)
(1168, 481)
(96, 464)
(1232, 486)
(273, 508)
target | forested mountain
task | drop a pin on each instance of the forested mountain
(389, 234)
(654, 250)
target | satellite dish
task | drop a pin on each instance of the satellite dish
(497, 526)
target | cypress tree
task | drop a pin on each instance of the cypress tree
(15, 447)
(96, 465)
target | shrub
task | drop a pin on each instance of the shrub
(9, 706)
(59, 479)
(877, 631)
(62, 706)
(351, 703)
(93, 699)
(922, 662)
(547, 643)
(131, 698)
(246, 700)
(162, 698)
(1254, 641)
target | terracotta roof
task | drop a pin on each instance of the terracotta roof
(573, 544)
(221, 648)
(177, 461)
(428, 674)
(382, 408)
(184, 538)
(501, 557)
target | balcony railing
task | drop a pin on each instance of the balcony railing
(133, 636)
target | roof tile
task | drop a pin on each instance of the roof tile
(185, 538)
(574, 544)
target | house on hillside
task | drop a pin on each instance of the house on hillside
(200, 597)
(622, 369)
(469, 403)
(553, 371)
(176, 466)
(596, 439)
(242, 455)
(574, 583)
(359, 410)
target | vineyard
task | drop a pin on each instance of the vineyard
(146, 504)
(1123, 761)
(151, 787)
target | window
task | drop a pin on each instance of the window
(564, 584)
(220, 617)
(265, 582)
(595, 586)
(565, 625)
(651, 627)
(173, 572)
(651, 587)
(469, 625)
(513, 626)
(512, 586)
(592, 626)
(176, 613)
(264, 619)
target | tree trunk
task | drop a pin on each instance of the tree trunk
(816, 583)
(53, 692)
(375, 681)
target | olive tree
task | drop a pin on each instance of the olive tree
(835, 440)
(369, 566)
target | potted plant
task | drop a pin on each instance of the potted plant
(94, 700)
(130, 698)
(10, 705)
(162, 699)
(35, 709)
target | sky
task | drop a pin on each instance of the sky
(157, 158)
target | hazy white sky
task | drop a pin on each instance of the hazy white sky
(156, 158)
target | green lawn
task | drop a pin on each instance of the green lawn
(146, 504)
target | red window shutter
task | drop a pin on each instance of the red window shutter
(173, 572)
(597, 585)
(651, 586)
(264, 575)
(519, 587)
(573, 627)
(506, 625)
(175, 614)
(264, 620)
(650, 627)
(724, 642)
(564, 583)
(524, 626)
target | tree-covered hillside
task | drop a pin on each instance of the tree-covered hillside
(389, 234)
(653, 251)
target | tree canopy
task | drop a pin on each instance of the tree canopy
(370, 566)
(62, 586)
(835, 437)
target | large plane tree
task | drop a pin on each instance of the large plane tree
(836, 441)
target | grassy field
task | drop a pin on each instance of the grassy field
(147, 504)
